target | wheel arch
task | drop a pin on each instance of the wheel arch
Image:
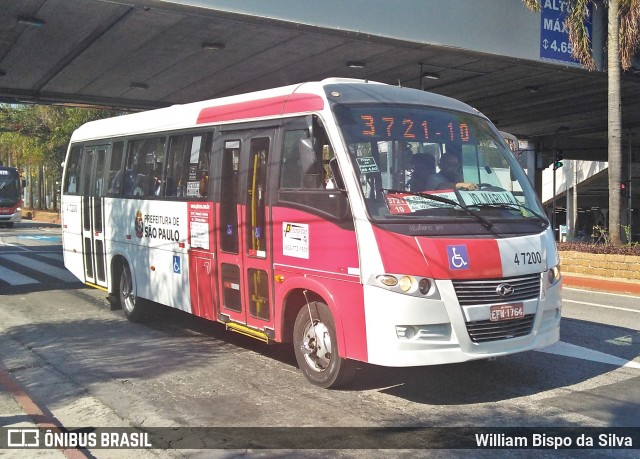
(293, 299)
(115, 270)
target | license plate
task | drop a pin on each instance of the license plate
(506, 312)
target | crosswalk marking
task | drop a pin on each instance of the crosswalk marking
(15, 278)
(14, 246)
(578, 352)
(53, 271)
(53, 256)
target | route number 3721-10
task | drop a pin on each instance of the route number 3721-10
(527, 258)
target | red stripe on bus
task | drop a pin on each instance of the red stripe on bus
(294, 103)
(425, 256)
(483, 261)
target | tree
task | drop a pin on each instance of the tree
(35, 137)
(623, 40)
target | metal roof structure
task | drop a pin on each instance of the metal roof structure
(143, 54)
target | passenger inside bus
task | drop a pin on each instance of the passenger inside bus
(116, 182)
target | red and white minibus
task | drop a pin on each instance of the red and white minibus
(360, 222)
(10, 196)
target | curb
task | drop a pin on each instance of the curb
(41, 216)
(607, 285)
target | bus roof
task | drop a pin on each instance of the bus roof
(284, 101)
(9, 171)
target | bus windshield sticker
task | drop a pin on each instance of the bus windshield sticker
(193, 172)
(193, 188)
(295, 240)
(488, 197)
(401, 203)
(367, 164)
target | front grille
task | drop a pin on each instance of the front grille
(473, 292)
(482, 331)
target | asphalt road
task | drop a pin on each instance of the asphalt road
(85, 365)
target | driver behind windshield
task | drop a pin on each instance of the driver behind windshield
(450, 175)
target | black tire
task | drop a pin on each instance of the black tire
(135, 309)
(316, 347)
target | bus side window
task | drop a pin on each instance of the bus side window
(204, 156)
(115, 169)
(143, 171)
(177, 166)
(290, 172)
(188, 166)
(306, 176)
(72, 169)
(306, 169)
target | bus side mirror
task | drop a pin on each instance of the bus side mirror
(24, 183)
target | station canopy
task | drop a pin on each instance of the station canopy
(138, 55)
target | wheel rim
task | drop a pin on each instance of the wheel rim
(127, 298)
(316, 345)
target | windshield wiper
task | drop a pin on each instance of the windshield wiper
(511, 206)
(486, 223)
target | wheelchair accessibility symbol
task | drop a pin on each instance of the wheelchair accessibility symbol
(176, 264)
(458, 257)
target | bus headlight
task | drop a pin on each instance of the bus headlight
(425, 285)
(387, 280)
(554, 275)
(406, 284)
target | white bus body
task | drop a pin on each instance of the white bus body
(298, 215)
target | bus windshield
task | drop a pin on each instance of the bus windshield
(420, 163)
(9, 190)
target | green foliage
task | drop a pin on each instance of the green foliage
(34, 138)
(533, 5)
(629, 249)
(578, 35)
(38, 135)
(629, 31)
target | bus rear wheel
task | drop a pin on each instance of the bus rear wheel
(316, 347)
(134, 308)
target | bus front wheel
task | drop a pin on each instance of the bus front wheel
(316, 347)
(134, 308)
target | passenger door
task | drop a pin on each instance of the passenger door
(92, 197)
(244, 230)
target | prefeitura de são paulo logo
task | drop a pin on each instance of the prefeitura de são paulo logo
(139, 225)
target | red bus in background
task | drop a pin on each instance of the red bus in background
(300, 215)
(10, 196)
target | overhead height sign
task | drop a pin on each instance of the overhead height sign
(554, 35)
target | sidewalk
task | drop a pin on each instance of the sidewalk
(43, 216)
